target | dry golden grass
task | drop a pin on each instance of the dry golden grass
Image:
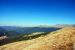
(63, 39)
(18, 45)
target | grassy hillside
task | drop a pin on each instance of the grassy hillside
(21, 37)
(63, 39)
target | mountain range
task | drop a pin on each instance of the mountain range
(15, 30)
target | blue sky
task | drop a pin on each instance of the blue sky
(36, 12)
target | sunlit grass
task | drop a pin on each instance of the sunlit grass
(63, 39)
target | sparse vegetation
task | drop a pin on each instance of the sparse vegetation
(63, 39)
(21, 37)
(29, 36)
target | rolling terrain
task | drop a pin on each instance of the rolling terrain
(63, 39)
(14, 33)
(13, 30)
